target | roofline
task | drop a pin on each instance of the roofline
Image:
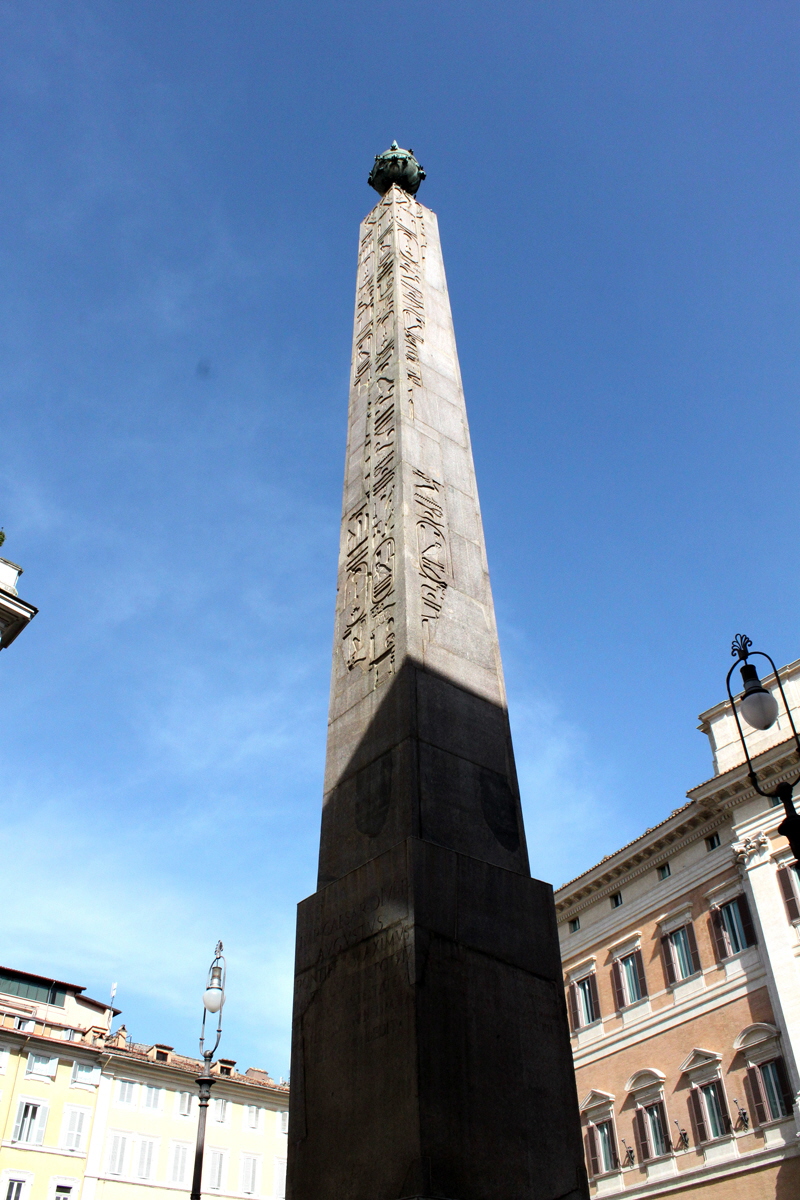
(721, 783)
(73, 987)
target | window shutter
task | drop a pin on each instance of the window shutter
(669, 961)
(718, 935)
(18, 1122)
(696, 1114)
(592, 1156)
(723, 1104)
(75, 1130)
(640, 975)
(574, 1011)
(747, 920)
(692, 940)
(41, 1122)
(117, 1154)
(145, 1159)
(284, 1122)
(616, 979)
(756, 1095)
(640, 1133)
(787, 891)
(613, 1141)
(786, 1090)
(595, 997)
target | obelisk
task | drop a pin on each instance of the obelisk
(430, 1046)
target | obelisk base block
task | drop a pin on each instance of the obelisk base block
(430, 1045)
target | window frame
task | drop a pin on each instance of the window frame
(85, 1113)
(133, 1103)
(594, 1147)
(621, 978)
(41, 1118)
(720, 935)
(42, 1076)
(699, 1111)
(643, 1129)
(670, 956)
(758, 1096)
(578, 1006)
(179, 1148)
(254, 1162)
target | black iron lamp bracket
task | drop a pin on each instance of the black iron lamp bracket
(741, 650)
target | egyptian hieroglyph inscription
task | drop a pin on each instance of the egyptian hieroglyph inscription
(389, 330)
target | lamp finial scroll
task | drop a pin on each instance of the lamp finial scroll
(740, 646)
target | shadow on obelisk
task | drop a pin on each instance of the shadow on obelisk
(430, 1052)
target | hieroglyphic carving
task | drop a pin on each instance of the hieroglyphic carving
(389, 332)
(431, 547)
(368, 635)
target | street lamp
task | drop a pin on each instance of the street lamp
(759, 708)
(213, 1000)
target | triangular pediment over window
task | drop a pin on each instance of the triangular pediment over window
(596, 1099)
(699, 1059)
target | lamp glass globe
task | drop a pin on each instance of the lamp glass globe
(759, 709)
(213, 999)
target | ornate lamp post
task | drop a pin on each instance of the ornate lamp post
(759, 708)
(213, 1000)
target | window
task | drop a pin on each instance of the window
(220, 1111)
(14, 1189)
(162, 1056)
(185, 1104)
(152, 1097)
(127, 1092)
(63, 1191)
(602, 1148)
(616, 899)
(30, 1123)
(584, 1004)
(85, 1073)
(74, 1128)
(252, 1116)
(70, 1035)
(24, 1024)
(216, 1165)
(712, 842)
(284, 1118)
(144, 1164)
(650, 1127)
(628, 978)
(279, 1190)
(3, 1059)
(574, 924)
(249, 1174)
(180, 1158)
(116, 1159)
(664, 871)
(732, 927)
(708, 1109)
(43, 1065)
(771, 1097)
(679, 951)
(789, 884)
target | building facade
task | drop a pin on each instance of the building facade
(90, 1115)
(680, 956)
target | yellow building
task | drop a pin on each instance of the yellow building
(89, 1115)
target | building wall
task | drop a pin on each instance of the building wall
(736, 1012)
(94, 1138)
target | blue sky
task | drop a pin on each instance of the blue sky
(180, 191)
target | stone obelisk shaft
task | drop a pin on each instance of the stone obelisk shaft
(430, 1053)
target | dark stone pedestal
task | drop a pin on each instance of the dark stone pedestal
(430, 1047)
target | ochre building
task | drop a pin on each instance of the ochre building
(89, 1115)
